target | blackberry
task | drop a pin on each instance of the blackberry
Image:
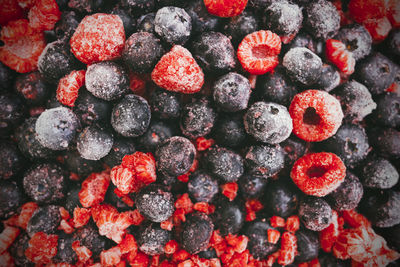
(155, 203)
(56, 61)
(6, 77)
(157, 132)
(45, 219)
(32, 87)
(196, 233)
(307, 245)
(165, 104)
(94, 143)
(303, 39)
(130, 116)
(142, 51)
(175, 156)
(356, 39)
(315, 213)
(90, 109)
(138, 5)
(128, 20)
(56, 128)
(120, 148)
(329, 79)
(202, 21)
(231, 92)
(202, 187)
(281, 200)
(12, 112)
(173, 25)
(146, 23)
(268, 122)
(228, 217)
(208, 254)
(17, 250)
(294, 148)
(347, 195)
(65, 253)
(197, 118)
(107, 80)
(230, 131)
(11, 161)
(379, 173)
(224, 164)
(152, 239)
(251, 186)
(236, 28)
(11, 199)
(89, 237)
(67, 24)
(45, 183)
(72, 198)
(322, 19)
(74, 163)
(258, 244)
(387, 111)
(302, 65)
(264, 160)
(214, 52)
(386, 142)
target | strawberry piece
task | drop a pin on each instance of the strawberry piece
(273, 236)
(144, 166)
(22, 46)
(288, 248)
(180, 255)
(98, 37)
(203, 144)
(64, 213)
(362, 10)
(7, 237)
(94, 189)
(252, 206)
(123, 179)
(184, 178)
(44, 15)
(68, 87)
(42, 248)
(83, 253)
(225, 8)
(258, 52)
(27, 211)
(167, 224)
(171, 247)
(355, 219)
(393, 13)
(184, 202)
(66, 226)
(292, 223)
(178, 71)
(277, 222)
(204, 207)
(128, 244)
(239, 243)
(111, 256)
(328, 236)
(10, 10)
(378, 28)
(337, 53)
(230, 190)
(6, 259)
(135, 217)
(140, 260)
(81, 216)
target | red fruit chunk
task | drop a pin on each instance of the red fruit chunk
(225, 8)
(362, 10)
(123, 179)
(81, 216)
(252, 206)
(180, 255)
(171, 247)
(83, 253)
(128, 244)
(258, 52)
(316, 115)
(292, 223)
(328, 236)
(44, 15)
(6, 260)
(68, 87)
(230, 190)
(178, 71)
(97, 38)
(184, 178)
(137, 84)
(144, 166)
(203, 144)
(393, 13)
(378, 28)
(66, 226)
(135, 217)
(41, 248)
(277, 222)
(7, 237)
(204, 207)
(22, 46)
(10, 10)
(27, 211)
(355, 219)
(288, 248)
(140, 260)
(167, 225)
(184, 202)
(110, 257)
(64, 213)
(337, 53)
(318, 174)
(273, 236)
(239, 243)
(94, 189)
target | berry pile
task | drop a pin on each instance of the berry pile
(199, 133)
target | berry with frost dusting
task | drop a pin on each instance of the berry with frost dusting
(94, 143)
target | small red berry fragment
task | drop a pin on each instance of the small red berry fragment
(128, 244)
(171, 247)
(137, 84)
(81, 216)
(355, 219)
(239, 243)
(66, 226)
(361, 10)
(292, 223)
(252, 206)
(204, 207)
(10, 10)
(258, 52)
(123, 179)
(7, 237)
(97, 38)
(167, 224)
(328, 236)
(94, 189)
(27, 211)
(68, 87)
(273, 236)
(41, 248)
(393, 13)
(140, 260)
(135, 217)
(337, 53)
(318, 174)
(203, 144)
(83, 253)
(111, 256)
(225, 8)
(277, 222)
(230, 190)
(178, 71)
(288, 248)
(316, 115)
(378, 28)
(44, 15)
(184, 202)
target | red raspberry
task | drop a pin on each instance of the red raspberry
(22, 46)
(7, 237)
(83, 253)
(68, 87)
(44, 15)
(316, 115)
(81, 217)
(10, 10)
(178, 71)
(288, 248)
(94, 189)
(362, 10)
(292, 223)
(225, 8)
(378, 28)
(42, 248)
(277, 222)
(394, 13)
(97, 38)
(171, 247)
(184, 202)
(128, 244)
(337, 53)
(318, 174)
(230, 190)
(110, 257)
(258, 52)
(273, 236)
(328, 236)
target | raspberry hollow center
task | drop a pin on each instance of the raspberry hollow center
(261, 51)
(316, 171)
(311, 116)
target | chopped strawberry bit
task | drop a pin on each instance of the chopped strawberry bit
(155, 261)
(271, 259)
(68, 87)
(167, 224)
(230, 190)
(128, 244)
(252, 206)
(292, 223)
(184, 202)
(178, 216)
(83, 253)
(328, 236)
(273, 236)
(7, 237)
(67, 227)
(378, 28)
(41, 248)
(123, 179)
(111, 256)
(338, 54)
(186, 263)
(64, 213)
(355, 219)
(27, 211)
(314, 263)
(10, 10)
(203, 144)
(277, 222)
(184, 178)
(94, 189)
(288, 248)
(137, 84)
(81, 217)
(204, 207)
(140, 260)
(44, 15)
(180, 255)
(239, 243)
(171, 247)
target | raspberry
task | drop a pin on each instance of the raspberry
(94, 189)
(128, 244)
(22, 46)
(7, 237)
(27, 211)
(203, 144)
(318, 174)
(225, 8)
(171, 247)
(273, 236)
(98, 37)
(258, 52)
(68, 87)
(81, 217)
(230, 190)
(316, 115)
(10, 10)
(292, 224)
(111, 256)
(44, 15)
(288, 248)
(362, 10)
(178, 71)
(277, 222)
(84, 254)
(41, 248)
(337, 53)
(378, 28)
(328, 236)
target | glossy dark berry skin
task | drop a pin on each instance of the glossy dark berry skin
(357, 40)
(146, 23)
(379, 173)
(89, 237)
(152, 239)
(196, 233)
(157, 132)
(45, 219)
(228, 217)
(11, 198)
(347, 195)
(130, 116)
(128, 20)
(230, 131)
(236, 28)
(73, 162)
(65, 253)
(45, 183)
(90, 109)
(386, 142)
(329, 79)
(94, 142)
(315, 213)
(165, 104)
(32, 87)
(67, 24)
(251, 187)
(12, 112)
(202, 187)
(155, 203)
(214, 52)
(11, 161)
(281, 200)
(6, 77)
(17, 250)
(120, 148)
(307, 245)
(142, 51)
(258, 244)
(387, 112)
(264, 160)
(202, 21)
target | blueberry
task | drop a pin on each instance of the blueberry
(264, 160)
(356, 39)
(379, 173)
(236, 28)
(202, 187)
(347, 195)
(11, 161)
(120, 148)
(294, 148)
(228, 217)
(165, 104)
(72, 199)
(307, 245)
(67, 24)
(315, 213)
(89, 237)
(202, 21)
(329, 79)
(281, 200)
(252, 187)
(146, 23)
(322, 19)
(157, 132)
(214, 52)
(6, 77)
(303, 39)
(32, 87)
(387, 112)
(196, 233)
(130, 116)
(12, 112)
(155, 203)
(142, 51)
(173, 25)
(73, 162)
(152, 239)
(11, 198)
(17, 250)
(94, 143)
(258, 244)
(394, 42)
(135, 6)
(128, 20)
(65, 253)
(386, 141)
(107, 80)
(45, 183)
(45, 219)
(230, 131)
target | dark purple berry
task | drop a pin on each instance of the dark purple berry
(12, 112)
(152, 239)
(252, 187)
(45, 219)
(146, 23)
(379, 173)
(73, 162)
(165, 104)
(32, 88)
(202, 21)
(120, 148)
(67, 24)
(202, 187)
(11, 161)
(196, 233)
(230, 131)
(65, 253)
(94, 143)
(329, 79)
(307, 245)
(128, 20)
(17, 250)
(281, 200)
(347, 195)
(236, 28)
(356, 39)
(264, 160)
(387, 112)
(228, 217)
(258, 244)
(11, 198)
(136, 6)
(386, 142)
(89, 237)
(6, 77)
(157, 132)
(315, 213)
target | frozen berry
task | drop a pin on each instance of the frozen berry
(89, 237)
(347, 195)
(68, 87)
(72, 199)
(6, 77)
(386, 141)
(264, 160)
(229, 217)
(120, 148)
(315, 213)
(258, 244)
(379, 173)
(281, 199)
(387, 111)
(17, 250)
(362, 11)
(157, 132)
(131, 116)
(146, 23)
(142, 51)
(44, 14)
(12, 112)
(329, 79)
(11, 161)
(45, 219)
(74, 163)
(303, 39)
(268, 122)
(307, 245)
(165, 104)
(32, 87)
(94, 143)
(202, 187)
(128, 20)
(356, 39)
(11, 198)
(225, 8)
(251, 186)
(202, 21)
(152, 239)
(65, 253)
(196, 233)
(67, 24)
(56, 128)
(230, 131)
(240, 26)
(138, 5)
(155, 203)
(45, 183)
(337, 53)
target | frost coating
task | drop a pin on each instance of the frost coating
(94, 143)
